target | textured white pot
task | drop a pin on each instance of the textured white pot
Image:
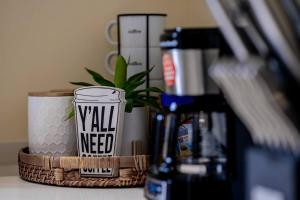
(135, 129)
(49, 133)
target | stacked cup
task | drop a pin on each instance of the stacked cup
(138, 41)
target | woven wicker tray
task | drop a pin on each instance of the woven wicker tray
(64, 171)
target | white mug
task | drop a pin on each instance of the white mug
(137, 30)
(138, 61)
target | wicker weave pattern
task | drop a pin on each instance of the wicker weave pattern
(49, 170)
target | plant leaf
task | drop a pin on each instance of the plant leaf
(153, 89)
(71, 114)
(130, 87)
(153, 103)
(81, 83)
(148, 102)
(135, 104)
(120, 72)
(141, 96)
(128, 60)
(129, 105)
(136, 92)
(139, 76)
(100, 79)
(150, 89)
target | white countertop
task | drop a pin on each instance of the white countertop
(13, 188)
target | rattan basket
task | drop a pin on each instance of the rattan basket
(64, 171)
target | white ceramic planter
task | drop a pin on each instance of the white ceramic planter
(135, 129)
(49, 133)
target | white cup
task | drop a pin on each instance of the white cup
(137, 30)
(99, 114)
(138, 61)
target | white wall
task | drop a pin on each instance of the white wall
(44, 44)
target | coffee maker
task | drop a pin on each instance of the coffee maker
(195, 124)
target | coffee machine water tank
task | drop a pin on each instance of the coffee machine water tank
(186, 60)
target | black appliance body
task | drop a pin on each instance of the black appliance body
(196, 154)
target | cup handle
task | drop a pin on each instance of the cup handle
(108, 60)
(108, 33)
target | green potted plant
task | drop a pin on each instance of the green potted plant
(136, 117)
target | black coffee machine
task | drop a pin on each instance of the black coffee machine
(194, 129)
